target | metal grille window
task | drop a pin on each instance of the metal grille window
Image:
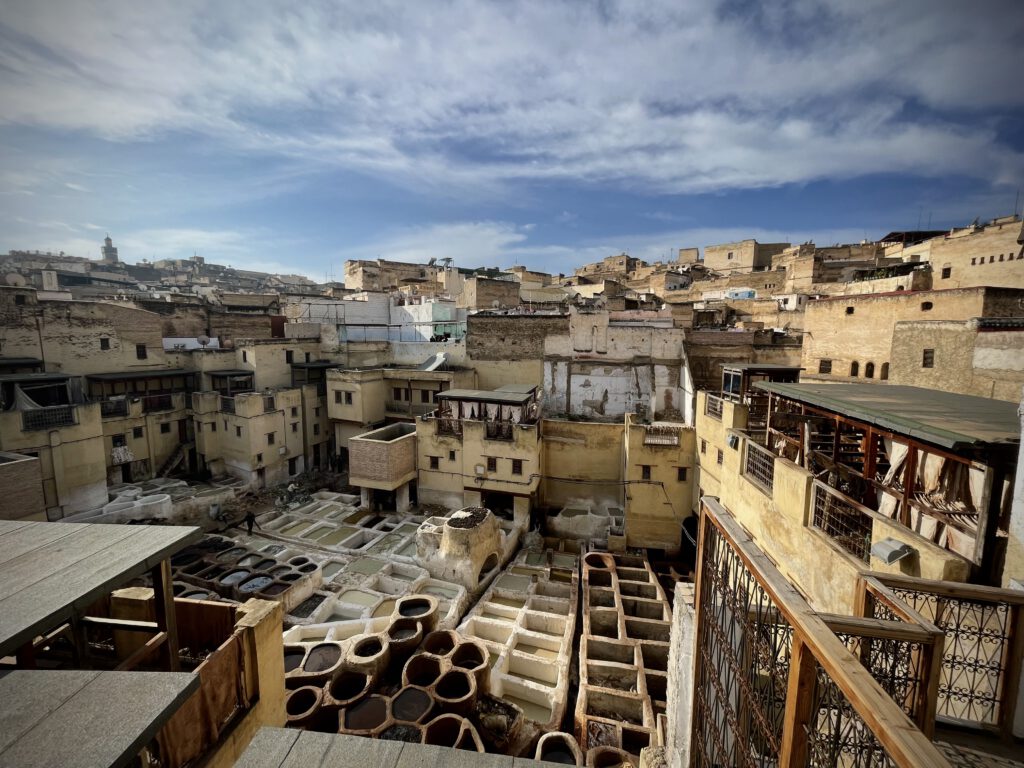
(824, 366)
(841, 520)
(703, 446)
(435, 462)
(517, 466)
(645, 471)
(47, 418)
(713, 407)
(928, 358)
(268, 404)
(720, 457)
(492, 464)
(759, 466)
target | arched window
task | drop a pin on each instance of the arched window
(869, 371)
(885, 372)
(854, 368)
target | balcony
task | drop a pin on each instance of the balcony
(54, 417)
(759, 466)
(227, 404)
(713, 407)
(843, 520)
(110, 409)
(408, 408)
(155, 403)
(449, 427)
(498, 430)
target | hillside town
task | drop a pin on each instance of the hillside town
(759, 505)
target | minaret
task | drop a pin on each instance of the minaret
(109, 251)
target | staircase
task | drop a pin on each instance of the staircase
(174, 459)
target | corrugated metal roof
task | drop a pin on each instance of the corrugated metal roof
(944, 419)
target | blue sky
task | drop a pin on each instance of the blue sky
(541, 133)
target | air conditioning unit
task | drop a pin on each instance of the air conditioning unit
(283, 450)
(479, 469)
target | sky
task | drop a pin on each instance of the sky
(290, 137)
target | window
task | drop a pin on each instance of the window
(117, 441)
(238, 431)
(681, 474)
(348, 398)
(703, 446)
(869, 371)
(928, 358)
(517, 466)
(140, 351)
(973, 260)
(854, 368)
(316, 429)
(492, 464)
(137, 433)
(645, 471)
(270, 438)
(885, 372)
(104, 343)
(396, 393)
(337, 397)
(849, 310)
(946, 272)
(925, 306)
(259, 458)
(213, 426)
(307, 357)
(1000, 257)
(435, 462)
(316, 413)
(245, 357)
(720, 457)
(451, 455)
(991, 259)
(295, 426)
(20, 299)
(824, 366)
(293, 466)
(225, 425)
(295, 411)
(729, 256)
(289, 356)
(165, 428)
(424, 395)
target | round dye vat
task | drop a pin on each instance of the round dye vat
(279, 570)
(440, 642)
(264, 564)
(453, 685)
(348, 686)
(468, 656)
(322, 658)
(299, 560)
(410, 705)
(200, 595)
(367, 714)
(185, 558)
(301, 701)
(256, 584)
(248, 560)
(369, 647)
(413, 607)
(290, 576)
(276, 589)
(308, 567)
(232, 554)
(402, 634)
(422, 670)
(555, 755)
(235, 576)
(293, 658)
(408, 733)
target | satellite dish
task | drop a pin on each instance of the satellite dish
(203, 341)
(14, 280)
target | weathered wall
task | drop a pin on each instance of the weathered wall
(582, 460)
(967, 360)
(980, 256)
(710, 437)
(380, 463)
(484, 293)
(512, 337)
(21, 488)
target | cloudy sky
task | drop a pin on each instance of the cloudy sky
(292, 136)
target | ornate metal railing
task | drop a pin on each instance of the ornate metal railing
(450, 427)
(775, 686)
(713, 407)
(151, 403)
(844, 521)
(980, 670)
(53, 417)
(498, 430)
(759, 466)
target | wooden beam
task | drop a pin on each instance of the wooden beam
(166, 620)
(953, 589)
(159, 640)
(125, 624)
(1011, 663)
(800, 703)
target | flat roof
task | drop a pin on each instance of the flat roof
(944, 419)
(487, 396)
(85, 717)
(49, 571)
(752, 367)
(34, 377)
(316, 364)
(522, 388)
(20, 361)
(238, 372)
(155, 373)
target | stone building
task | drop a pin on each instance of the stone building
(742, 256)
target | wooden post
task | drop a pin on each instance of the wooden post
(1011, 672)
(870, 498)
(166, 620)
(931, 671)
(799, 705)
(909, 482)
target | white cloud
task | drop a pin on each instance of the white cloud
(464, 96)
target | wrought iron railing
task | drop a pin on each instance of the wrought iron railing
(55, 416)
(713, 407)
(844, 521)
(450, 427)
(227, 404)
(112, 408)
(269, 404)
(775, 686)
(759, 466)
(980, 671)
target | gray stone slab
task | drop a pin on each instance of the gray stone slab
(348, 750)
(104, 723)
(430, 756)
(308, 750)
(16, 540)
(22, 707)
(269, 748)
